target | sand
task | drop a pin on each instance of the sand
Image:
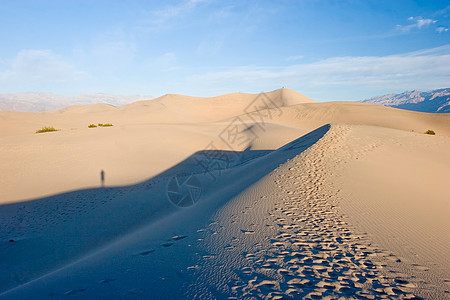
(241, 195)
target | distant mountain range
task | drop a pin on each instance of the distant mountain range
(36, 102)
(436, 101)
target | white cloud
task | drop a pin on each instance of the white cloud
(421, 69)
(418, 22)
(38, 67)
(441, 29)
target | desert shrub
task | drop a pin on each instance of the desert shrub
(92, 126)
(105, 125)
(46, 129)
(430, 132)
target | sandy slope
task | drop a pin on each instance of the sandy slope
(396, 189)
(312, 115)
(315, 234)
(347, 210)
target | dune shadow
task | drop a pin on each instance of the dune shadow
(48, 232)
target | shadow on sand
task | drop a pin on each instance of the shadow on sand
(44, 234)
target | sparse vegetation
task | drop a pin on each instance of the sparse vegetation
(430, 132)
(46, 129)
(100, 125)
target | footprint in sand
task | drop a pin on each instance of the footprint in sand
(404, 283)
(192, 268)
(179, 237)
(250, 256)
(421, 268)
(132, 292)
(247, 270)
(107, 280)
(73, 292)
(146, 252)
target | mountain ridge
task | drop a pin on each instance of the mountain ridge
(434, 101)
(41, 101)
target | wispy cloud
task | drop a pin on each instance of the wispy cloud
(39, 67)
(113, 49)
(212, 45)
(294, 57)
(119, 52)
(221, 14)
(422, 69)
(166, 62)
(443, 11)
(109, 51)
(163, 18)
(441, 29)
(417, 22)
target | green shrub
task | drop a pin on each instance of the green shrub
(47, 129)
(430, 132)
(92, 126)
(105, 125)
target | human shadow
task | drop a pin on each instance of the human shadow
(43, 234)
(102, 177)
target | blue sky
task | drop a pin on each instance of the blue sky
(326, 50)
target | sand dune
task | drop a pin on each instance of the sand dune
(313, 115)
(239, 195)
(166, 109)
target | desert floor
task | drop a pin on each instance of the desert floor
(239, 196)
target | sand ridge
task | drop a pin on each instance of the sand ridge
(288, 238)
